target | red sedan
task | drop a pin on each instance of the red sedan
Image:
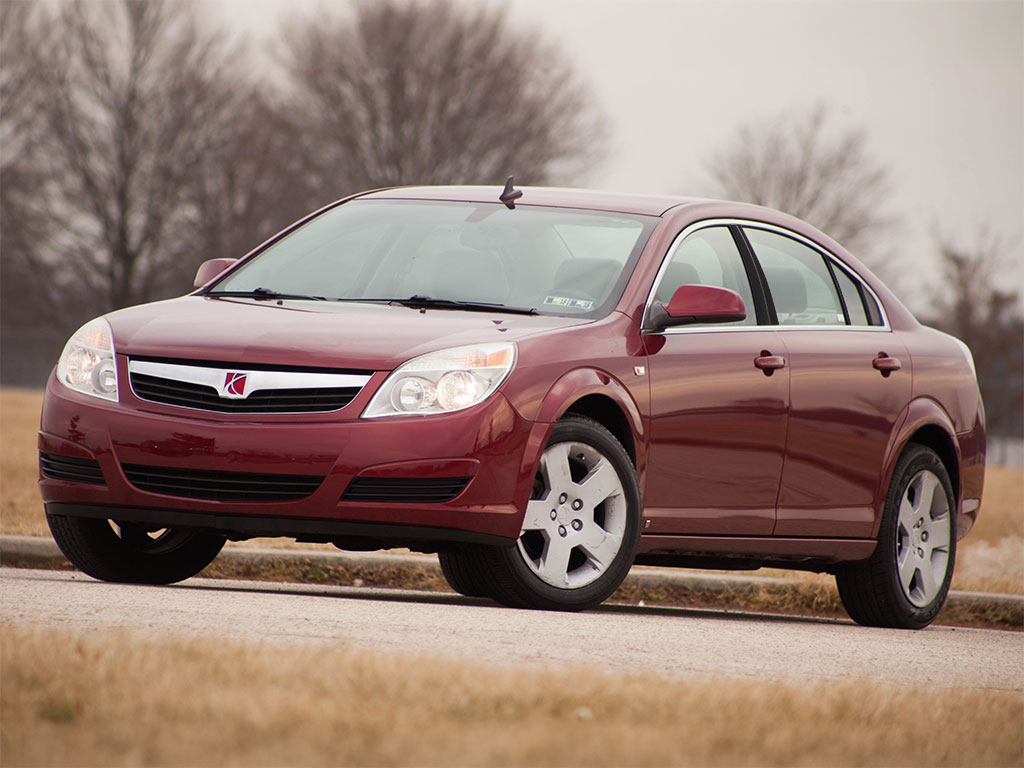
(544, 387)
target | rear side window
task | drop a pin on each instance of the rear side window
(853, 298)
(708, 257)
(799, 280)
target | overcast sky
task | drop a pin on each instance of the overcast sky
(937, 86)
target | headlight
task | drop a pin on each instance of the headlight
(87, 363)
(444, 381)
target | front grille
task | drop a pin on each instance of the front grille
(156, 389)
(214, 485)
(411, 490)
(59, 467)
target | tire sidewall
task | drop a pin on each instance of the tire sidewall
(594, 593)
(914, 460)
(92, 546)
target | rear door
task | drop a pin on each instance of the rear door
(850, 378)
(717, 421)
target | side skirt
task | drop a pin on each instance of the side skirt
(751, 552)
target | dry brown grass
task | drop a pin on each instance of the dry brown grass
(121, 699)
(990, 559)
(21, 511)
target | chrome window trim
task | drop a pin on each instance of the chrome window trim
(255, 380)
(753, 224)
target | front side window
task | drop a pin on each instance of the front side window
(799, 280)
(708, 257)
(554, 260)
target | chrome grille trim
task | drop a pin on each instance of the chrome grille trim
(205, 388)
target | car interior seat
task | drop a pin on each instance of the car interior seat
(585, 278)
(677, 273)
(470, 275)
(789, 292)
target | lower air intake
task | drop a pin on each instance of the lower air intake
(57, 467)
(214, 485)
(408, 490)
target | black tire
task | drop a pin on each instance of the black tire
(512, 575)
(128, 552)
(874, 592)
(457, 568)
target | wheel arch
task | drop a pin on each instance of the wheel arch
(923, 422)
(608, 414)
(601, 397)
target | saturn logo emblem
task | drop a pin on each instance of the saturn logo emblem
(234, 385)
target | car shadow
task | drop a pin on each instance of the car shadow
(379, 594)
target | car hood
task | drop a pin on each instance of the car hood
(294, 333)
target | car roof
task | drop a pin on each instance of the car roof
(589, 199)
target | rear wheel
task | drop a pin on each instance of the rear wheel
(905, 582)
(131, 552)
(581, 528)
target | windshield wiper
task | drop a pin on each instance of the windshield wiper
(264, 293)
(427, 302)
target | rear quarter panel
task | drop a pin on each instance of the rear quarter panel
(945, 395)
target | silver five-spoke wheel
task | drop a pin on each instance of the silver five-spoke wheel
(922, 538)
(580, 527)
(574, 525)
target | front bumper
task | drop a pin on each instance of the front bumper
(489, 444)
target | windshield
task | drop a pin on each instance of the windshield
(553, 260)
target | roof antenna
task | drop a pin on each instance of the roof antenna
(509, 195)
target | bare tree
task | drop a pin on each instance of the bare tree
(28, 302)
(433, 93)
(801, 166)
(978, 307)
(22, 177)
(252, 186)
(137, 97)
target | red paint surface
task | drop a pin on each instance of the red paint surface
(722, 449)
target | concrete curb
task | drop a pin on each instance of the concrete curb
(41, 552)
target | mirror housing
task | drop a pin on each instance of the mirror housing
(209, 269)
(697, 304)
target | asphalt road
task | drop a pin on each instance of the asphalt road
(667, 641)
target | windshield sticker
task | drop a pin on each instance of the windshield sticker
(562, 301)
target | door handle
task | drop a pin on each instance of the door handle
(886, 364)
(768, 362)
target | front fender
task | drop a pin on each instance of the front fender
(568, 390)
(580, 382)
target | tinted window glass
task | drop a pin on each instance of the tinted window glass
(798, 279)
(559, 261)
(708, 257)
(851, 297)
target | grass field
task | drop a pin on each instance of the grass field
(120, 699)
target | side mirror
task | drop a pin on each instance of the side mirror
(697, 304)
(210, 269)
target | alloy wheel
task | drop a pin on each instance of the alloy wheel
(576, 520)
(922, 538)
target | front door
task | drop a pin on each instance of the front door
(717, 420)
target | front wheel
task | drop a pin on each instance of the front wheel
(581, 527)
(110, 550)
(458, 570)
(905, 582)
